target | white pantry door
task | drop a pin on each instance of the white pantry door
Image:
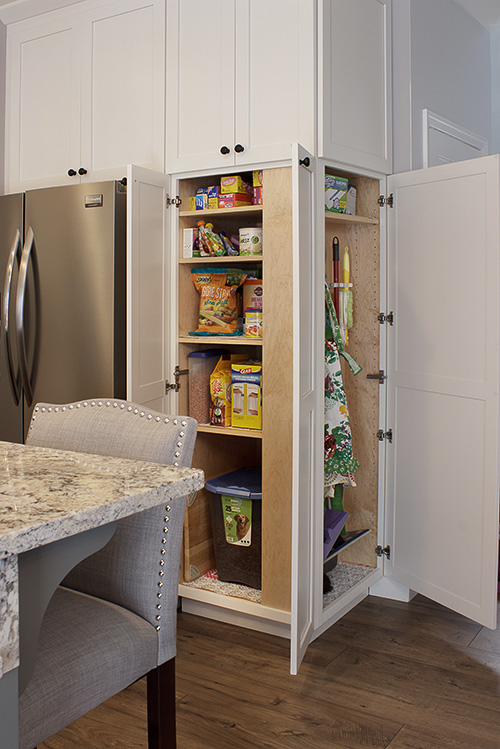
(308, 327)
(147, 287)
(443, 380)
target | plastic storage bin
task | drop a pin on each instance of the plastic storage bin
(201, 365)
(236, 514)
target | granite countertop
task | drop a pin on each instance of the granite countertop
(46, 494)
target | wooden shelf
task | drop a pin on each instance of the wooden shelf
(223, 211)
(222, 340)
(233, 431)
(344, 219)
(235, 259)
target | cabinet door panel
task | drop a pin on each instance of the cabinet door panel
(275, 77)
(355, 83)
(308, 328)
(148, 341)
(43, 105)
(200, 90)
(443, 465)
(123, 88)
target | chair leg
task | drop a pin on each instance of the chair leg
(161, 706)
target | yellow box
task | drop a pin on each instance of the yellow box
(192, 203)
(246, 395)
(234, 183)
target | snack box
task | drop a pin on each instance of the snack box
(257, 178)
(335, 193)
(198, 202)
(246, 396)
(232, 200)
(257, 195)
(234, 184)
(189, 239)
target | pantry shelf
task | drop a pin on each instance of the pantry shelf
(257, 209)
(233, 431)
(233, 341)
(345, 219)
(236, 259)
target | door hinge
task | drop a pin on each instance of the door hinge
(380, 376)
(386, 201)
(176, 385)
(381, 435)
(173, 201)
(382, 318)
(379, 551)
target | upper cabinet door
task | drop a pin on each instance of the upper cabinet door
(443, 351)
(123, 87)
(275, 78)
(43, 104)
(200, 84)
(355, 117)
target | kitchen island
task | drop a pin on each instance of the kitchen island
(56, 508)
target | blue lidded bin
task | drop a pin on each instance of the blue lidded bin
(236, 514)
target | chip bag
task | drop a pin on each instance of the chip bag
(218, 313)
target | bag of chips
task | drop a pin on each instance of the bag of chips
(218, 314)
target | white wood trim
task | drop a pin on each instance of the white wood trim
(433, 121)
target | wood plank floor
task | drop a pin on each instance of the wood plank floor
(389, 675)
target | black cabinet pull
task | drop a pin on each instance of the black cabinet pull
(82, 170)
(71, 172)
(239, 148)
(224, 150)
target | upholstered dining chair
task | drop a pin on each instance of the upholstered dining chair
(113, 618)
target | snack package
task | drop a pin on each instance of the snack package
(220, 390)
(215, 242)
(218, 313)
(203, 244)
(231, 250)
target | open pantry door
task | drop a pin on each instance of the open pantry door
(443, 379)
(308, 328)
(147, 279)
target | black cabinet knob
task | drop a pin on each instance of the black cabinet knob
(239, 148)
(82, 170)
(71, 172)
(224, 150)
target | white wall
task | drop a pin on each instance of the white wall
(495, 90)
(442, 63)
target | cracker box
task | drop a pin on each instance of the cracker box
(233, 200)
(234, 184)
(246, 397)
(189, 239)
(335, 193)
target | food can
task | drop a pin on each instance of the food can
(253, 293)
(253, 323)
(251, 240)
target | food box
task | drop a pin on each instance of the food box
(234, 184)
(335, 193)
(233, 200)
(213, 196)
(189, 238)
(257, 178)
(198, 202)
(350, 205)
(257, 195)
(246, 398)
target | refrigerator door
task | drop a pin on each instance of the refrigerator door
(11, 404)
(71, 295)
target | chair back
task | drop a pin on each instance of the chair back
(139, 567)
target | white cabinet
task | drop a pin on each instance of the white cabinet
(355, 112)
(85, 93)
(246, 78)
(240, 81)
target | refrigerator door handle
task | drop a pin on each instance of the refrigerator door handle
(20, 305)
(15, 254)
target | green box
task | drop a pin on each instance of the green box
(335, 193)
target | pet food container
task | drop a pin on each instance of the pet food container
(201, 365)
(236, 514)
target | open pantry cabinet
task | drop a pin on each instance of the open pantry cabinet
(425, 274)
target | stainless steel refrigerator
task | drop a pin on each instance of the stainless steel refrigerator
(63, 297)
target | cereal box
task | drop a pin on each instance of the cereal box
(335, 193)
(246, 395)
(234, 184)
